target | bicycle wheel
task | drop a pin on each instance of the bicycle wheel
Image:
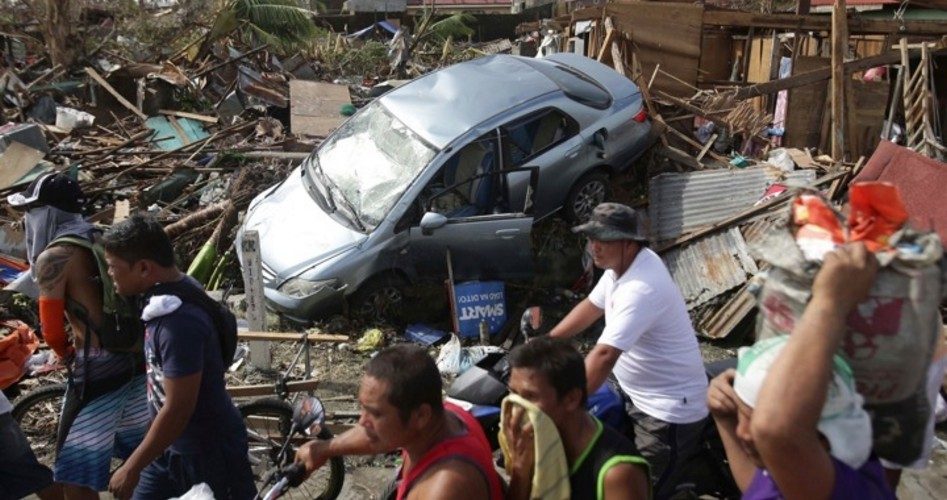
(37, 413)
(268, 420)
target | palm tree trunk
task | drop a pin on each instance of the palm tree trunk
(58, 31)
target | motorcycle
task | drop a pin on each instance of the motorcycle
(309, 417)
(483, 386)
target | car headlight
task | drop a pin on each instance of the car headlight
(299, 287)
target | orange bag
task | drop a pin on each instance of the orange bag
(16, 347)
(876, 212)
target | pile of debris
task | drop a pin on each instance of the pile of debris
(194, 130)
(744, 104)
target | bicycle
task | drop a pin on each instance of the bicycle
(269, 422)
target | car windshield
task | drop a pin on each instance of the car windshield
(367, 164)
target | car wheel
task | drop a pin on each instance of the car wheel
(585, 195)
(380, 298)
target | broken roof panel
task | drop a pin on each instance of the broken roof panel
(710, 267)
(683, 202)
(726, 318)
(919, 179)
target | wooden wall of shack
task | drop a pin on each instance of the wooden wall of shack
(681, 49)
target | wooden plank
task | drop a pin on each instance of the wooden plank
(16, 161)
(257, 390)
(822, 74)
(256, 306)
(292, 337)
(111, 90)
(866, 115)
(792, 22)
(610, 35)
(659, 35)
(839, 51)
(185, 114)
(315, 106)
(806, 105)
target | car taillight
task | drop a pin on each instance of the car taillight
(641, 116)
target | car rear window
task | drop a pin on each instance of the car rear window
(576, 85)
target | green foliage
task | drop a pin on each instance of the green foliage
(456, 26)
(280, 23)
(366, 58)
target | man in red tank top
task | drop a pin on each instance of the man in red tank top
(444, 451)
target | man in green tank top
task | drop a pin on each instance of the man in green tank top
(603, 464)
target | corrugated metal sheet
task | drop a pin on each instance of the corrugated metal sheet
(710, 267)
(721, 322)
(683, 202)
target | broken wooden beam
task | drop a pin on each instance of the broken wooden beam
(839, 84)
(794, 22)
(111, 90)
(744, 215)
(822, 74)
(292, 337)
(257, 390)
(185, 114)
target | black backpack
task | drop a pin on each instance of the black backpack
(224, 321)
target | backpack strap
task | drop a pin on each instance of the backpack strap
(192, 294)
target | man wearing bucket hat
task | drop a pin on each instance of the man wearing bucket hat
(789, 416)
(648, 343)
(105, 412)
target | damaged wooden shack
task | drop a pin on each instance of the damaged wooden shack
(732, 89)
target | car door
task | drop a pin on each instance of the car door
(549, 139)
(491, 243)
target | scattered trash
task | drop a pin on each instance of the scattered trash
(373, 339)
(69, 118)
(424, 335)
(454, 359)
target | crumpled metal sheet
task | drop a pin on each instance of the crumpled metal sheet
(710, 266)
(683, 202)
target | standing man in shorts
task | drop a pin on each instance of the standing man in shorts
(105, 414)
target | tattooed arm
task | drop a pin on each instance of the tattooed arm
(50, 273)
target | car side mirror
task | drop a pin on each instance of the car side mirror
(431, 221)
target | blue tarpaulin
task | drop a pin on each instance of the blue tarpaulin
(385, 25)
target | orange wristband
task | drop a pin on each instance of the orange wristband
(53, 320)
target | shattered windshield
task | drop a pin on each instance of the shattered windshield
(368, 163)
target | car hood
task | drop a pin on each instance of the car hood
(294, 232)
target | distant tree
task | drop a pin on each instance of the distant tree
(282, 24)
(58, 30)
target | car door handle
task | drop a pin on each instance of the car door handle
(507, 234)
(572, 153)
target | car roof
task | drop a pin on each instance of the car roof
(445, 104)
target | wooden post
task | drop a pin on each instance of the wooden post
(256, 305)
(839, 50)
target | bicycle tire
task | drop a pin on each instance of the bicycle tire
(37, 414)
(274, 418)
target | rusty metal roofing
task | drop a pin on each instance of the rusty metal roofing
(710, 266)
(682, 202)
(727, 317)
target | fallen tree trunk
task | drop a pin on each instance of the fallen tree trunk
(197, 219)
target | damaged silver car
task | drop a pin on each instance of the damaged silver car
(458, 162)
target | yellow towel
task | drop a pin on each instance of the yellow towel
(551, 471)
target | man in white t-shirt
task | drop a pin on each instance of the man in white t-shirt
(648, 343)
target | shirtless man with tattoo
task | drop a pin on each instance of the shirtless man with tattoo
(106, 411)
